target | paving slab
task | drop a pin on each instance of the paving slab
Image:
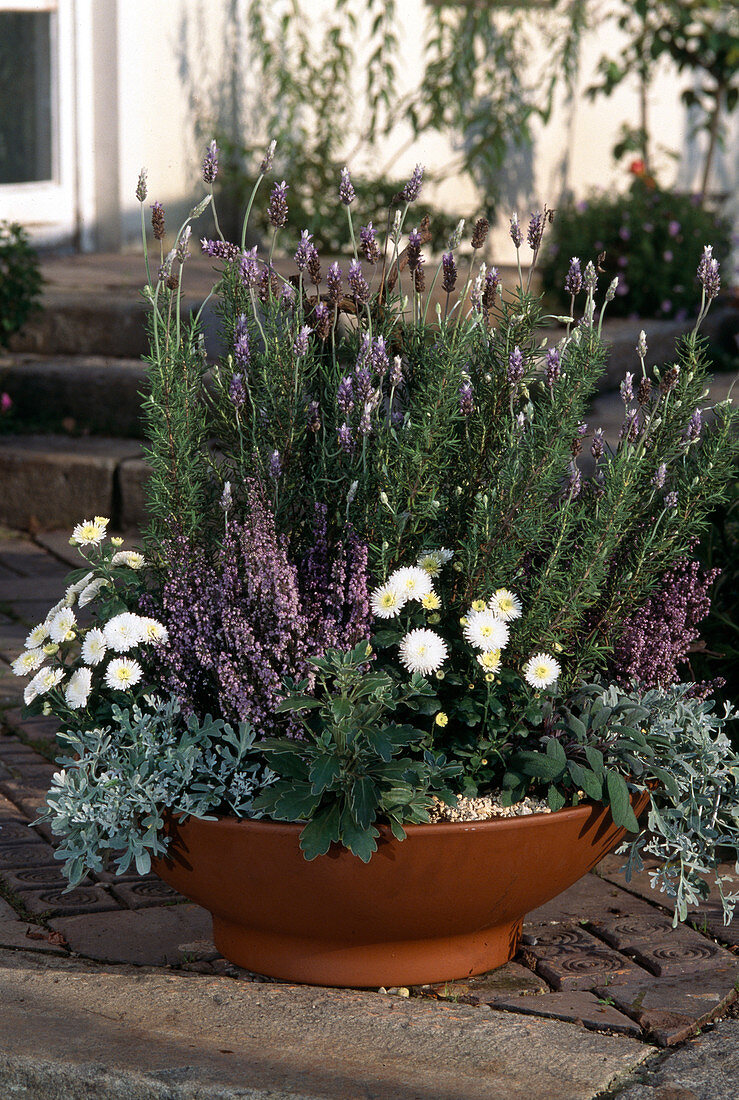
(509, 980)
(58, 901)
(23, 936)
(671, 1010)
(181, 1036)
(569, 958)
(147, 937)
(657, 946)
(143, 893)
(592, 1012)
(589, 897)
(706, 1068)
(6, 911)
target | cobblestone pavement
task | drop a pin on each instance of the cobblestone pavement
(602, 955)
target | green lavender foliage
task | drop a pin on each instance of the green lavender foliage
(355, 765)
(121, 782)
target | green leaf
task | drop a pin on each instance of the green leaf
(556, 752)
(320, 833)
(296, 803)
(555, 798)
(324, 770)
(360, 841)
(618, 797)
(297, 702)
(595, 759)
(587, 780)
(364, 798)
(538, 764)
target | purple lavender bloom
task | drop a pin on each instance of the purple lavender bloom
(648, 227)
(414, 250)
(274, 466)
(210, 164)
(449, 269)
(221, 250)
(157, 220)
(300, 345)
(358, 283)
(623, 261)
(693, 430)
(515, 366)
(378, 356)
(492, 282)
(277, 209)
(573, 279)
(346, 439)
(304, 251)
(466, 399)
(673, 228)
(237, 391)
(554, 367)
(666, 306)
(708, 273)
(365, 421)
(582, 428)
(368, 242)
(346, 189)
(535, 231)
(362, 383)
(515, 231)
(630, 428)
(590, 278)
(658, 480)
(333, 282)
(242, 351)
(627, 388)
(671, 500)
(313, 416)
(335, 588)
(322, 321)
(249, 268)
(345, 396)
(287, 298)
(668, 256)
(412, 189)
(574, 481)
(597, 444)
(396, 372)
(268, 158)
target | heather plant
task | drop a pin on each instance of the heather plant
(20, 280)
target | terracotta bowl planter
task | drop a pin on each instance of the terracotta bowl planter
(445, 903)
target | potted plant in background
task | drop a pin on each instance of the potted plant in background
(377, 683)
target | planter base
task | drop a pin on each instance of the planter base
(367, 965)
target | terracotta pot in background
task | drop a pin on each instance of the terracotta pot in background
(445, 903)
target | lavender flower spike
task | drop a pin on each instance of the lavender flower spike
(412, 189)
(322, 321)
(693, 430)
(641, 345)
(277, 209)
(300, 345)
(346, 439)
(333, 281)
(515, 365)
(242, 352)
(573, 279)
(274, 466)
(659, 476)
(396, 371)
(627, 388)
(466, 399)
(708, 273)
(304, 250)
(268, 158)
(358, 283)
(345, 396)
(237, 391)
(210, 164)
(515, 231)
(449, 267)
(347, 193)
(141, 188)
(368, 242)
(590, 279)
(535, 231)
(554, 368)
(249, 268)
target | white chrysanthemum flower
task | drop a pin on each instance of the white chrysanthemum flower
(411, 582)
(153, 632)
(62, 603)
(78, 689)
(131, 558)
(431, 562)
(423, 651)
(29, 661)
(94, 647)
(61, 627)
(74, 590)
(38, 636)
(90, 532)
(445, 555)
(541, 670)
(124, 631)
(386, 601)
(490, 660)
(90, 591)
(123, 673)
(42, 682)
(506, 605)
(485, 631)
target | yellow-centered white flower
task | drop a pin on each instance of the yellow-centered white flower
(485, 631)
(90, 532)
(42, 682)
(124, 631)
(94, 647)
(506, 605)
(541, 670)
(386, 601)
(61, 627)
(30, 660)
(412, 582)
(123, 673)
(153, 632)
(78, 689)
(38, 636)
(489, 660)
(131, 558)
(423, 651)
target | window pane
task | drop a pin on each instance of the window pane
(25, 96)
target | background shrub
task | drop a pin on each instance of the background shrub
(20, 280)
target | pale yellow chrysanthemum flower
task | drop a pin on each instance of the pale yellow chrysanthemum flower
(89, 532)
(29, 661)
(442, 719)
(431, 602)
(411, 582)
(478, 605)
(386, 601)
(541, 670)
(506, 605)
(490, 660)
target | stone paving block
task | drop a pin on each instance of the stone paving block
(577, 1007)
(507, 980)
(8, 809)
(16, 831)
(657, 946)
(28, 937)
(13, 856)
(6, 911)
(37, 728)
(160, 936)
(48, 589)
(12, 638)
(706, 1068)
(32, 878)
(12, 746)
(24, 557)
(31, 612)
(671, 1010)
(142, 893)
(5, 772)
(569, 958)
(52, 481)
(132, 477)
(55, 899)
(589, 897)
